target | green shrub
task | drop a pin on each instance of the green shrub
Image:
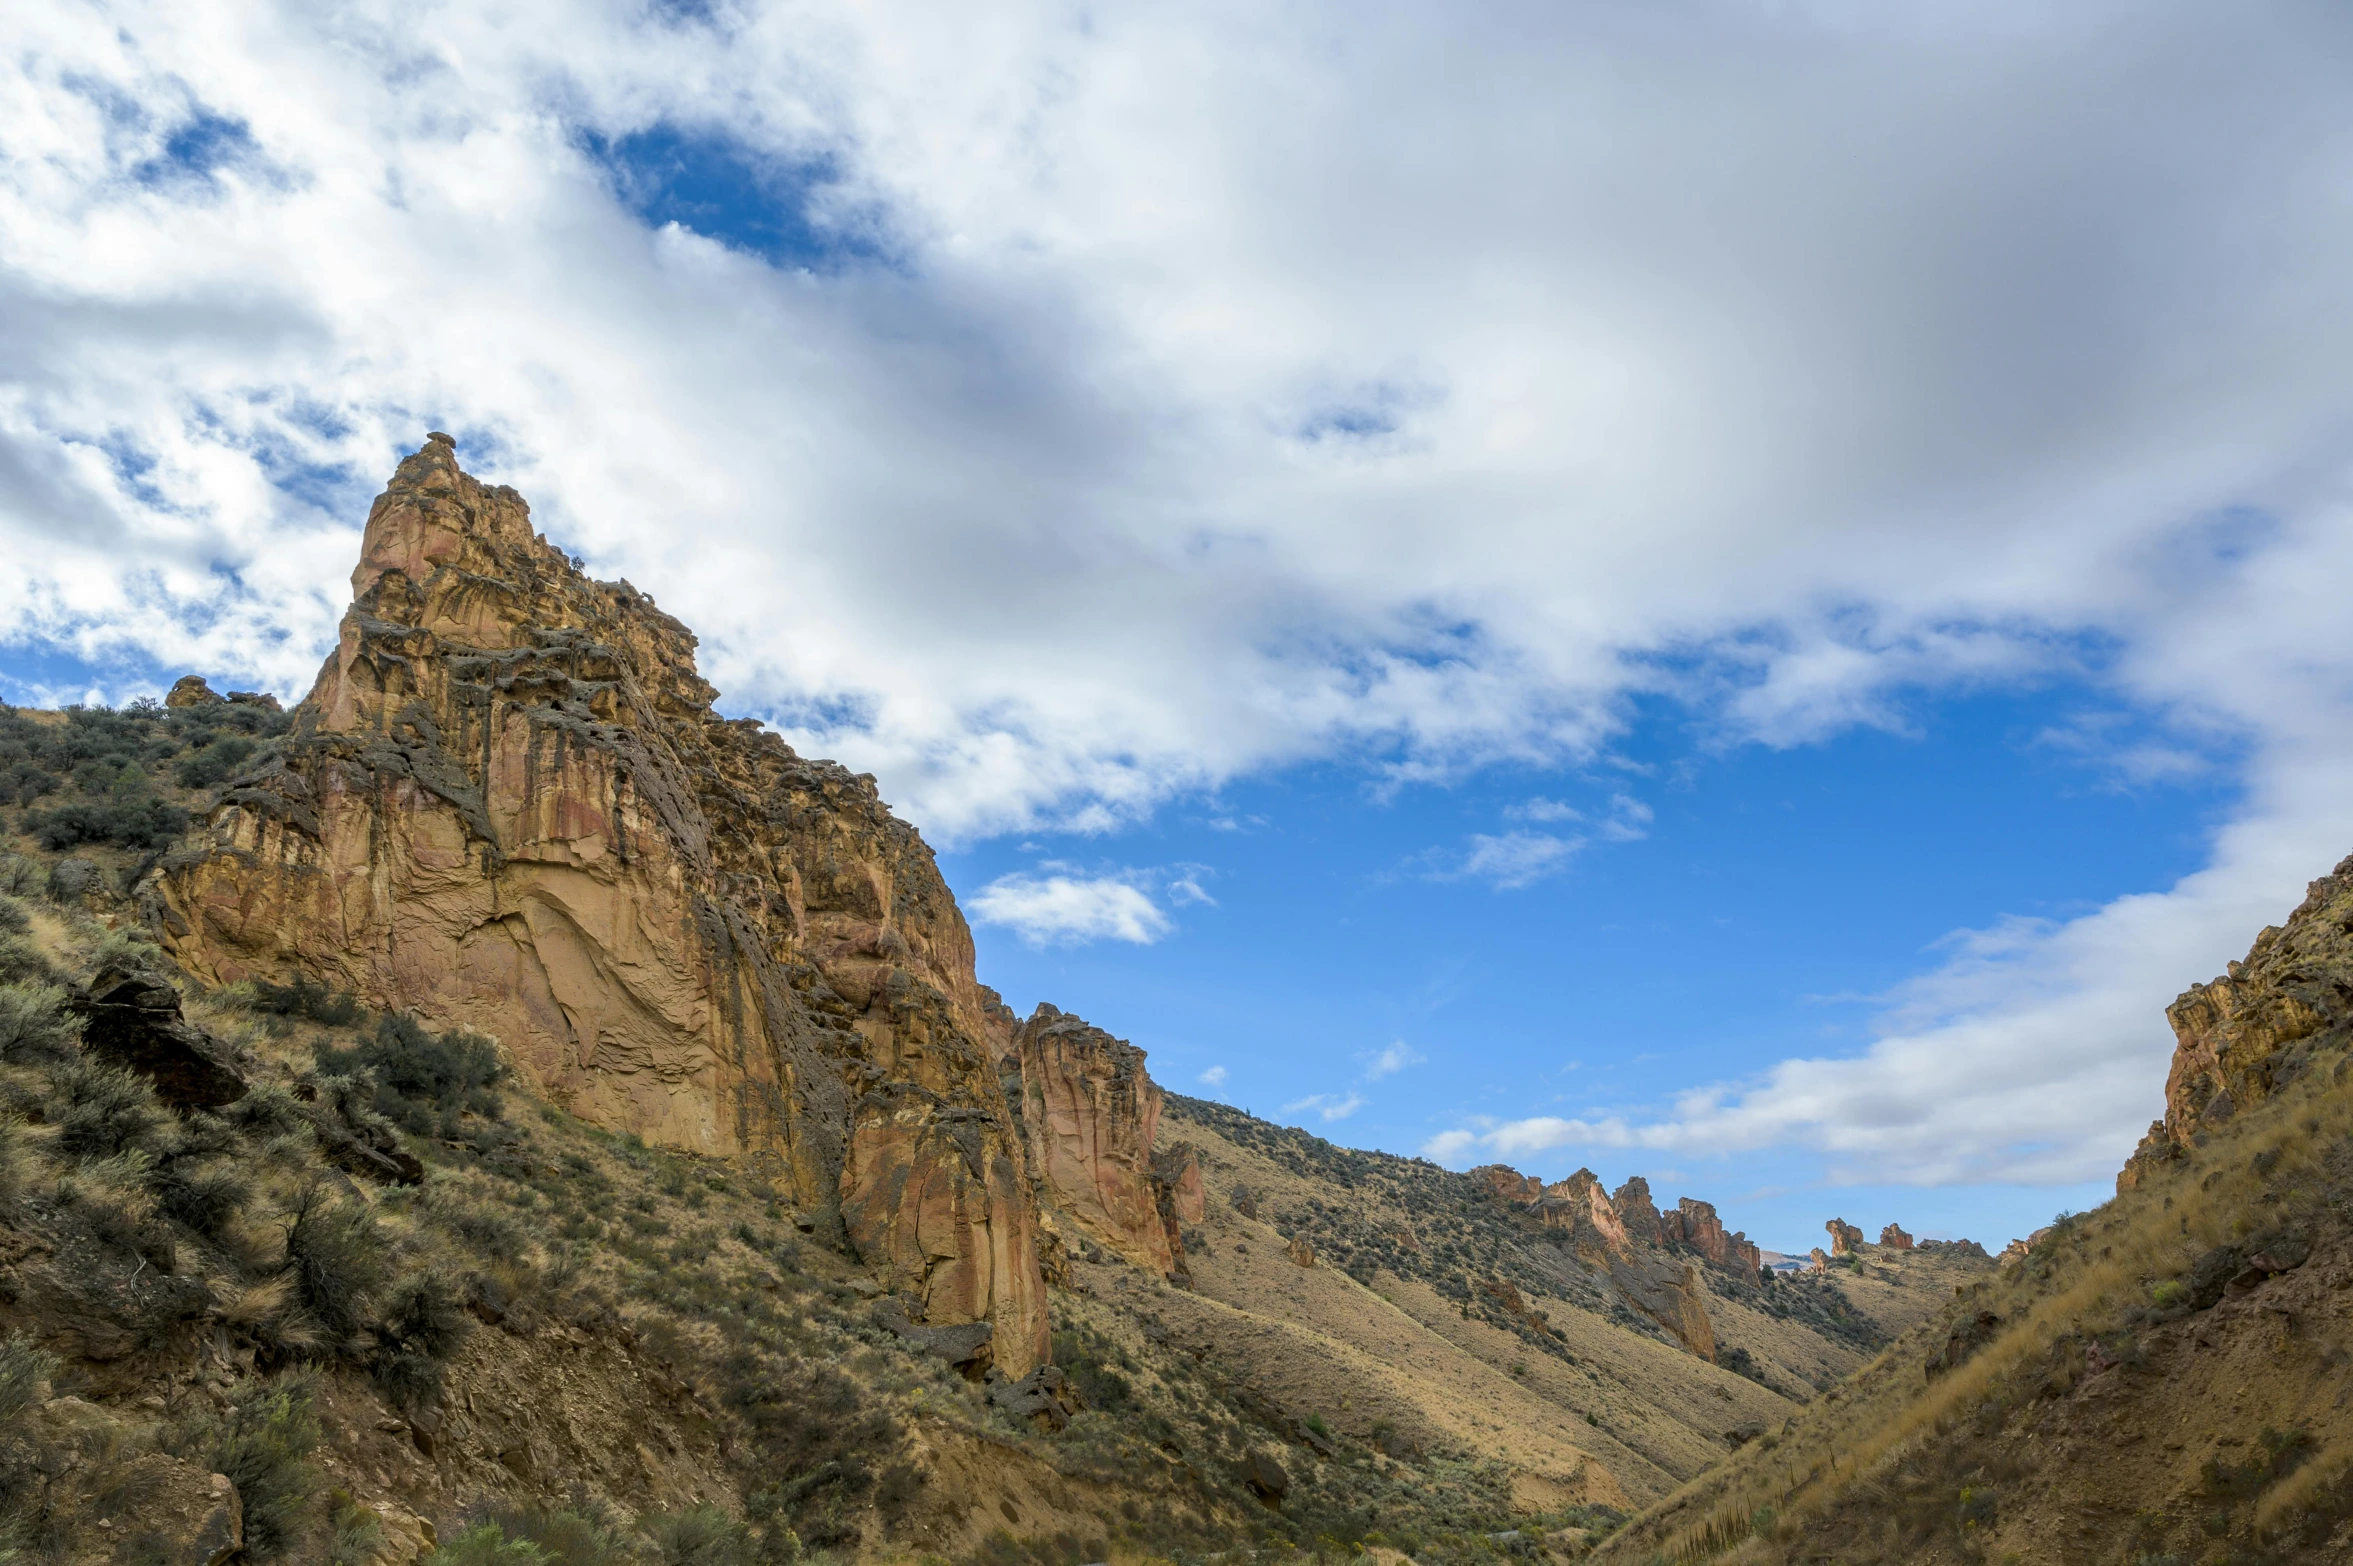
(136, 823)
(215, 762)
(205, 1198)
(336, 1257)
(424, 1324)
(423, 1083)
(263, 1441)
(103, 1112)
(267, 1109)
(487, 1544)
(562, 1535)
(302, 996)
(698, 1536)
(34, 1028)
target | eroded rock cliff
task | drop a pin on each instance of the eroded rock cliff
(508, 803)
(1625, 1236)
(2241, 1037)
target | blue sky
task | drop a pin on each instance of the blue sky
(1741, 593)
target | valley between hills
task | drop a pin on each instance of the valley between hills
(500, 1110)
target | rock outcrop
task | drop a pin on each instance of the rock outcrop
(1845, 1238)
(1637, 1246)
(1694, 1223)
(1091, 1115)
(1894, 1238)
(507, 803)
(2243, 1036)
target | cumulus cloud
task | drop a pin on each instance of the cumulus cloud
(1077, 410)
(1330, 1106)
(1070, 910)
(1214, 1077)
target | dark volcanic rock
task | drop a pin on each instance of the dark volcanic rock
(132, 1019)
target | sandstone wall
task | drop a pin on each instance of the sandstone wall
(507, 803)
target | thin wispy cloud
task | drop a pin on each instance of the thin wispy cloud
(1391, 1059)
(1326, 1106)
(1214, 1077)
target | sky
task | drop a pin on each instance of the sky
(1739, 592)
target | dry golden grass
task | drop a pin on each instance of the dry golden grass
(2083, 1278)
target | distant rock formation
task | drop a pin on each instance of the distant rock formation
(2245, 1035)
(1845, 1238)
(1894, 1238)
(1627, 1237)
(508, 803)
(1820, 1260)
(1694, 1223)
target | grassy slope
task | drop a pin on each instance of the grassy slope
(2108, 1417)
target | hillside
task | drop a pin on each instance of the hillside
(501, 1099)
(2161, 1381)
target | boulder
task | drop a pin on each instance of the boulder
(131, 1018)
(1044, 1397)
(1265, 1474)
(189, 690)
(963, 1344)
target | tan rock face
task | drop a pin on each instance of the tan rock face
(1092, 1113)
(1845, 1238)
(2243, 1036)
(1694, 1223)
(507, 803)
(1626, 1236)
(1894, 1238)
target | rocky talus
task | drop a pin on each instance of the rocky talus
(507, 803)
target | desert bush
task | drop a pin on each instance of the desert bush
(21, 962)
(424, 1324)
(103, 1112)
(336, 1256)
(141, 823)
(263, 1441)
(561, 1534)
(698, 1536)
(304, 997)
(34, 1027)
(487, 1544)
(204, 1198)
(268, 1109)
(13, 918)
(215, 760)
(423, 1082)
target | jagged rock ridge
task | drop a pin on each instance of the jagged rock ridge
(507, 803)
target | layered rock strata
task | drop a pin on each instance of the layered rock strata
(2241, 1037)
(507, 802)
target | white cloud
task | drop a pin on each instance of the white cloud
(1449, 1147)
(1214, 1077)
(1331, 1106)
(1225, 398)
(1544, 810)
(1392, 1059)
(1057, 910)
(1513, 860)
